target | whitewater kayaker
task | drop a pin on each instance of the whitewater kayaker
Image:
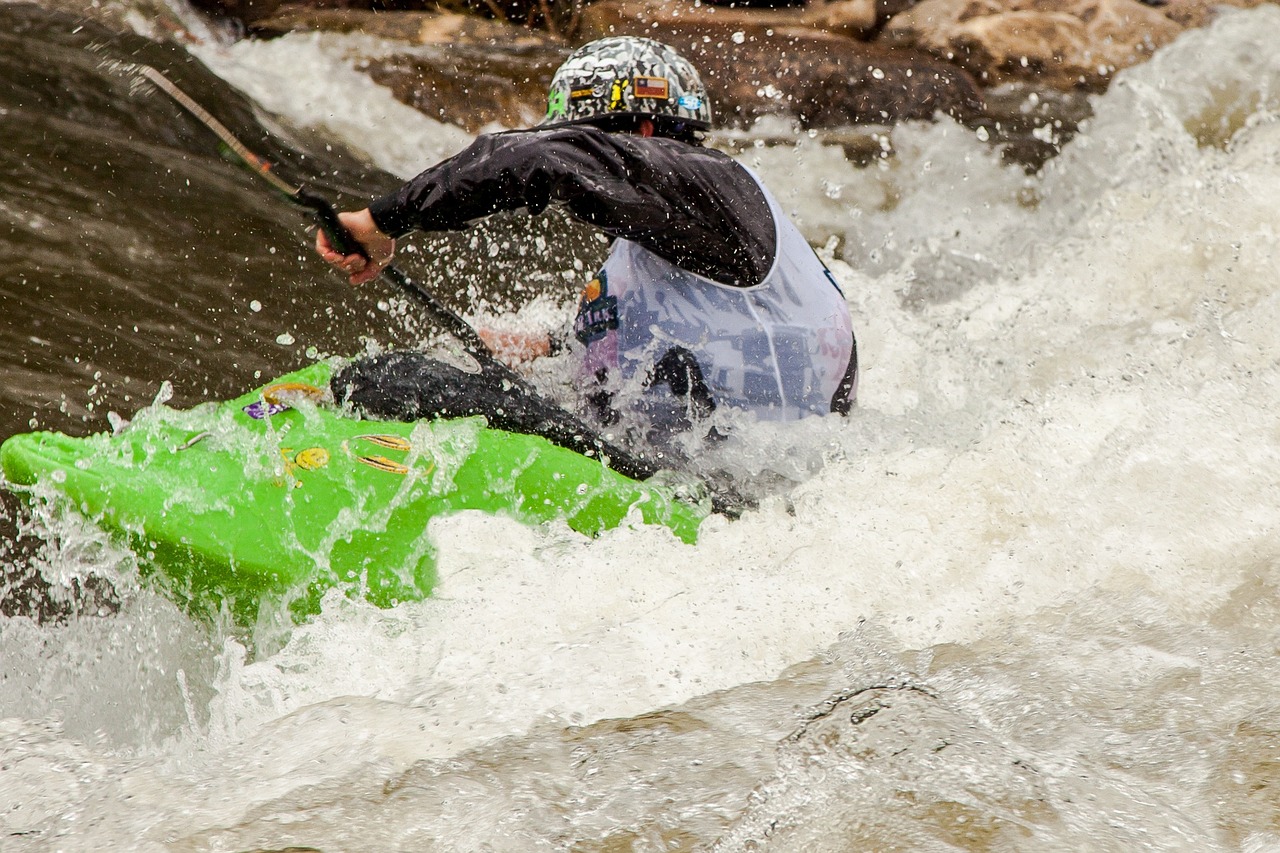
(710, 297)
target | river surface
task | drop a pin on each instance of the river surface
(1026, 598)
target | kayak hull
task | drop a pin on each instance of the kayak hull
(269, 500)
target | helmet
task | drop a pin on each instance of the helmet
(623, 76)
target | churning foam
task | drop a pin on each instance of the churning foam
(1068, 390)
(1068, 396)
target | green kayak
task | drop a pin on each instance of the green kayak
(268, 500)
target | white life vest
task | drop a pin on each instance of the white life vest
(779, 349)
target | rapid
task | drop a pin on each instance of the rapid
(1026, 598)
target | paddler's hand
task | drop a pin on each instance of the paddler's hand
(514, 348)
(380, 248)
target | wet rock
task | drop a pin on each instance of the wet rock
(893, 767)
(475, 73)
(1078, 43)
(856, 18)
(1200, 13)
(471, 87)
(480, 73)
(243, 10)
(1031, 123)
(1247, 778)
(434, 27)
(560, 17)
(769, 62)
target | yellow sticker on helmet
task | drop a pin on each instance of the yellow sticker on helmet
(616, 93)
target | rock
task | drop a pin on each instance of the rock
(1200, 13)
(893, 767)
(767, 62)
(1075, 43)
(477, 74)
(855, 18)
(560, 17)
(473, 87)
(438, 28)
(244, 10)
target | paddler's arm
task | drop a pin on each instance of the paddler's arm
(694, 206)
(379, 247)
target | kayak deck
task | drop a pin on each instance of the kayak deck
(274, 497)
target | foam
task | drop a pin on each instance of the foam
(1080, 414)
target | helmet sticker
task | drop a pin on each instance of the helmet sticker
(689, 102)
(557, 105)
(651, 87)
(616, 93)
(621, 75)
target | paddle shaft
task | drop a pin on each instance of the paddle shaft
(345, 244)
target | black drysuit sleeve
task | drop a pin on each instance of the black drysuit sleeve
(693, 206)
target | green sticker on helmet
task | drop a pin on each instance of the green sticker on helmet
(557, 104)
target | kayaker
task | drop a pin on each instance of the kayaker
(710, 297)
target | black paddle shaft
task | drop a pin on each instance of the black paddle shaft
(343, 243)
(551, 421)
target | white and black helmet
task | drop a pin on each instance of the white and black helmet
(623, 76)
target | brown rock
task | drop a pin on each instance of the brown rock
(244, 10)
(854, 18)
(473, 87)
(1199, 13)
(442, 28)
(1061, 44)
(476, 73)
(760, 62)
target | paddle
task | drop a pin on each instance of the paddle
(523, 407)
(323, 212)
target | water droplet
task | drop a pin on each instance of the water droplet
(255, 306)
(284, 339)
(739, 37)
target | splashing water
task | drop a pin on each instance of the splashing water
(1029, 600)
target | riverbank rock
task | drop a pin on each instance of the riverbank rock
(476, 73)
(479, 73)
(759, 62)
(246, 11)
(1199, 13)
(471, 87)
(442, 28)
(1059, 43)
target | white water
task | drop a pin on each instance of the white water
(1055, 510)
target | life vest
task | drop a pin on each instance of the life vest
(782, 349)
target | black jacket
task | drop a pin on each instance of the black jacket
(693, 206)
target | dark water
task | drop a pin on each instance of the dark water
(133, 254)
(137, 260)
